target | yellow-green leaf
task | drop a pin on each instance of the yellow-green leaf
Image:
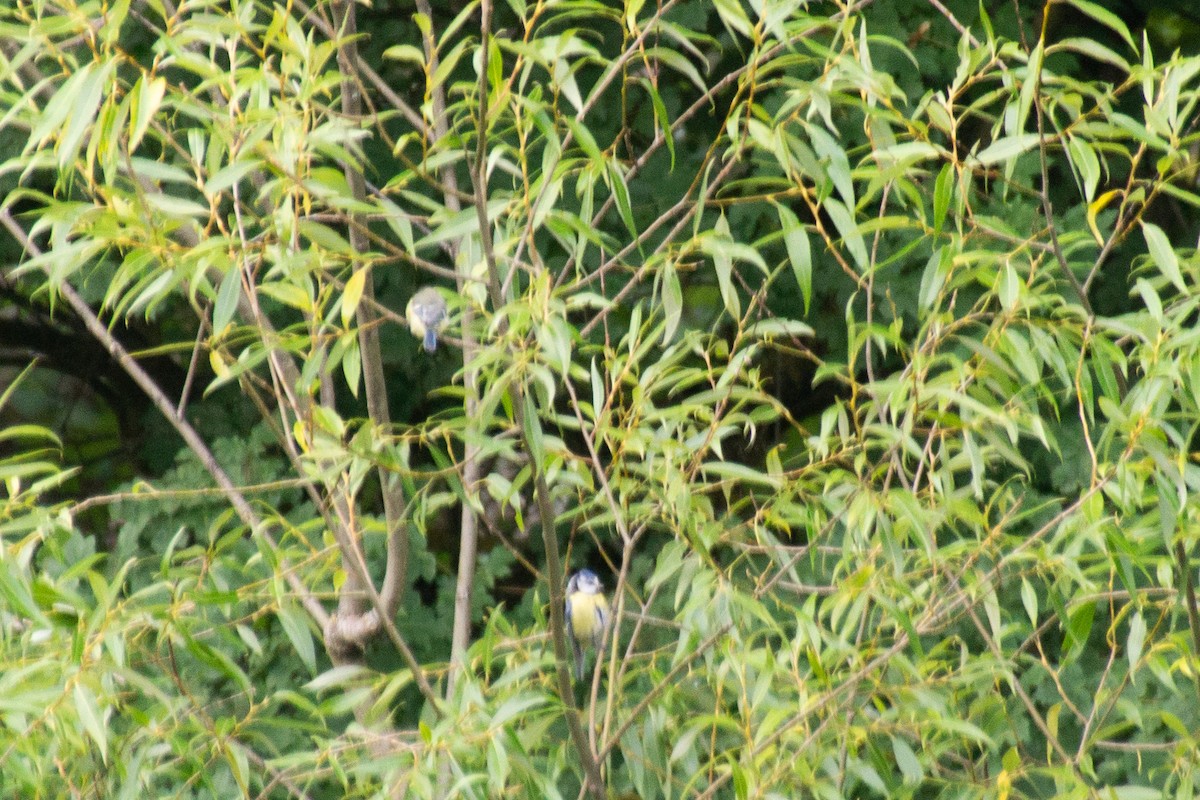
(1095, 207)
(147, 97)
(352, 295)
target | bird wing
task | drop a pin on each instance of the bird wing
(576, 646)
(601, 612)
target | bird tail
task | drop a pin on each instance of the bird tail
(430, 339)
(578, 658)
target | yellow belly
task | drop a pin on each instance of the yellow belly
(587, 614)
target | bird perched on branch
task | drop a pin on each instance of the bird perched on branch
(426, 315)
(587, 614)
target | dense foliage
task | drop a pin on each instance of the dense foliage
(852, 344)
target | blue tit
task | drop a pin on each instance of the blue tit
(587, 614)
(426, 314)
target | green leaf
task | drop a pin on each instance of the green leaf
(1030, 601)
(405, 52)
(907, 761)
(851, 236)
(147, 97)
(1092, 49)
(621, 197)
(295, 624)
(733, 16)
(799, 251)
(326, 237)
(933, 278)
(1163, 254)
(583, 136)
(339, 678)
(534, 439)
(662, 119)
(717, 247)
(459, 224)
(1083, 157)
(778, 326)
(351, 363)
(1079, 627)
(731, 470)
(836, 162)
(1130, 792)
(228, 295)
(1007, 147)
(89, 717)
(632, 9)
(672, 300)
(352, 294)
(84, 109)
(943, 191)
(1008, 287)
(678, 62)
(1135, 642)
(1105, 18)
(598, 391)
(1029, 87)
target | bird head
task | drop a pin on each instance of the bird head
(585, 581)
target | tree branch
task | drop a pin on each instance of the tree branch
(165, 407)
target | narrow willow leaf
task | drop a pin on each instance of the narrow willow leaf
(458, 224)
(89, 717)
(672, 300)
(678, 62)
(1006, 148)
(584, 138)
(662, 119)
(216, 362)
(836, 162)
(621, 197)
(239, 764)
(723, 262)
(447, 64)
(597, 391)
(1105, 18)
(1008, 287)
(1093, 210)
(352, 364)
(1029, 87)
(405, 52)
(1163, 254)
(352, 295)
(84, 108)
(147, 97)
(1135, 642)
(534, 439)
(294, 622)
(733, 16)
(851, 235)
(497, 764)
(1079, 628)
(937, 269)
(227, 176)
(907, 761)
(943, 191)
(228, 295)
(799, 251)
(57, 109)
(1030, 601)
(1090, 48)
(991, 607)
(718, 247)
(1083, 157)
